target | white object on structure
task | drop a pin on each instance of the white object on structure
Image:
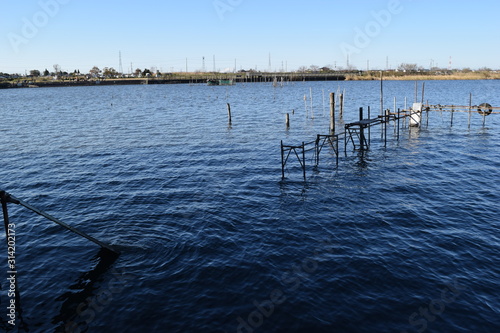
(416, 115)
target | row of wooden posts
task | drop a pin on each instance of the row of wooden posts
(332, 111)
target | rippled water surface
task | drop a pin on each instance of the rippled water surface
(400, 238)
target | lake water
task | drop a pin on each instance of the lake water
(400, 238)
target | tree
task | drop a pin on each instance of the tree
(35, 73)
(485, 69)
(302, 69)
(314, 68)
(137, 72)
(109, 72)
(95, 71)
(46, 72)
(57, 68)
(408, 67)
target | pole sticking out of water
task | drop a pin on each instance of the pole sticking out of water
(452, 112)
(395, 108)
(229, 118)
(423, 92)
(287, 120)
(332, 113)
(311, 94)
(341, 101)
(323, 102)
(416, 92)
(305, 103)
(381, 93)
(470, 109)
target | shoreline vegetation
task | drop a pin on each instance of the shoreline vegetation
(481, 75)
(76, 79)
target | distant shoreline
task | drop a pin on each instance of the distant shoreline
(245, 78)
(424, 77)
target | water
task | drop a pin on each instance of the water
(402, 238)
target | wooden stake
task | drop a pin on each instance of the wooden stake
(332, 113)
(287, 120)
(341, 98)
(470, 108)
(311, 94)
(229, 113)
(282, 161)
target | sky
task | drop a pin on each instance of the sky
(247, 34)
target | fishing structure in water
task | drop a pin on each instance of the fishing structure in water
(358, 133)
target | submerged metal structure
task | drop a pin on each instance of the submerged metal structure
(359, 135)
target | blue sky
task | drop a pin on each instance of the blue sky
(78, 34)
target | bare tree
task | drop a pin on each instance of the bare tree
(302, 69)
(314, 68)
(408, 67)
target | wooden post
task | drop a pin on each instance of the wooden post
(305, 103)
(470, 108)
(282, 161)
(381, 94)
(416, 92)
(423, 92)
(345, 139)
(341, 99)
(427, 115)
(452, 112)
(229, 118)
(287, 120)
(386, 120)
(399, 115)
(311, 94)
(369, 128)
(304, 159)
(361, 131)
(332, 113)
(316, 146)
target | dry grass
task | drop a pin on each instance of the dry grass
(417, 77)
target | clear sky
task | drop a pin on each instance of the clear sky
(80, 34)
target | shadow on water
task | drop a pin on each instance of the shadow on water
(73, 302)
(363, 162)
(294, 188)
(74, 309)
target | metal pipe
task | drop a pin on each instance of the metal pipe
(17, 201)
